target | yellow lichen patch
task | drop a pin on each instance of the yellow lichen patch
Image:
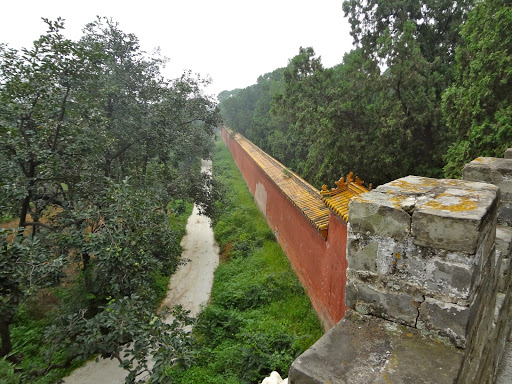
(397, 200)
(463, 204)
(407, 186)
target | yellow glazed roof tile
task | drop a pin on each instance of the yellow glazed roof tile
(301, 194)
(313, 204)
(337, 199)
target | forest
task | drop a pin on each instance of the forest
(426, 89)
(99, 157)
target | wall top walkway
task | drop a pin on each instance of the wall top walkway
(311, 202)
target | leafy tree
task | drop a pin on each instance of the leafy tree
(379, 112)
(41, 138)
(478, 106)
(156, 345)
(25, 265)
(416, 41)
(94, 145)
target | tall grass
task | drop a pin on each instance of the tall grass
(259, 317)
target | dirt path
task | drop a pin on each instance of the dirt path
(190, 287)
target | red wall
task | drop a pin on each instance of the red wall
(320, 264)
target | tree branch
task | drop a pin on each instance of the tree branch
(61, 117)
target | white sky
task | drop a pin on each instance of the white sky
(231, 41)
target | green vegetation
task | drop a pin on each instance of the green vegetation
(259, 317)
(422, 92)
(44, 309)
(478, 106)
(98, 152)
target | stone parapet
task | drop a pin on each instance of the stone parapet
(418, 251)
(498, 172)
(366, 349)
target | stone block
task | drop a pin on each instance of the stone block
(448, 319)
(363, 349)
(409, 186)
(505, 214)
(361, 253)
(377, 214)
(504, 240)
(452, 279)
(417, 186)
(381, 302)
(503, 253)
(508, 154)
(453, 220)
(491, 170)
(413, 269)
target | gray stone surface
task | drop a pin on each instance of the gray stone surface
(364, 349)
(395, 306)
(450, 320)
(453, 219)
(491, 170)
(363, 253)
(441, 277)
(376, 213)
(503, 254)
(508, 155)
(505, 375)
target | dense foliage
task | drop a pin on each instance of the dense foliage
(259, 317)
(94, 146)
(380, 113)
(478, 106)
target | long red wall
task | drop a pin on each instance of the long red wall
(320, 264)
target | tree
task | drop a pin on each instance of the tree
(95, 143)
(416, 41)
(41, 140)
(478, 106)
(25, 265)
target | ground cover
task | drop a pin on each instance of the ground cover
(259, 317)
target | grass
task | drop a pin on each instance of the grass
(259, 318)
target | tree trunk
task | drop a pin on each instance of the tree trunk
(5, 334)
(85, 260)
(24, 211)
(107, 166)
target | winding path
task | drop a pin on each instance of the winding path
(190, 287)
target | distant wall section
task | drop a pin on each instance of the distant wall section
(318, 256)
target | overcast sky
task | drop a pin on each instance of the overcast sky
(231, 41)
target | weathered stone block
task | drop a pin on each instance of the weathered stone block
(409, 186)
(508, 154)
(361, 253)
(494, 171)
(382, 303)
(453, 219)
(363, 349)
(376, 213)
(451, 279)
(504, 240)
(503, 253)
(505, 214)
(448, 319)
